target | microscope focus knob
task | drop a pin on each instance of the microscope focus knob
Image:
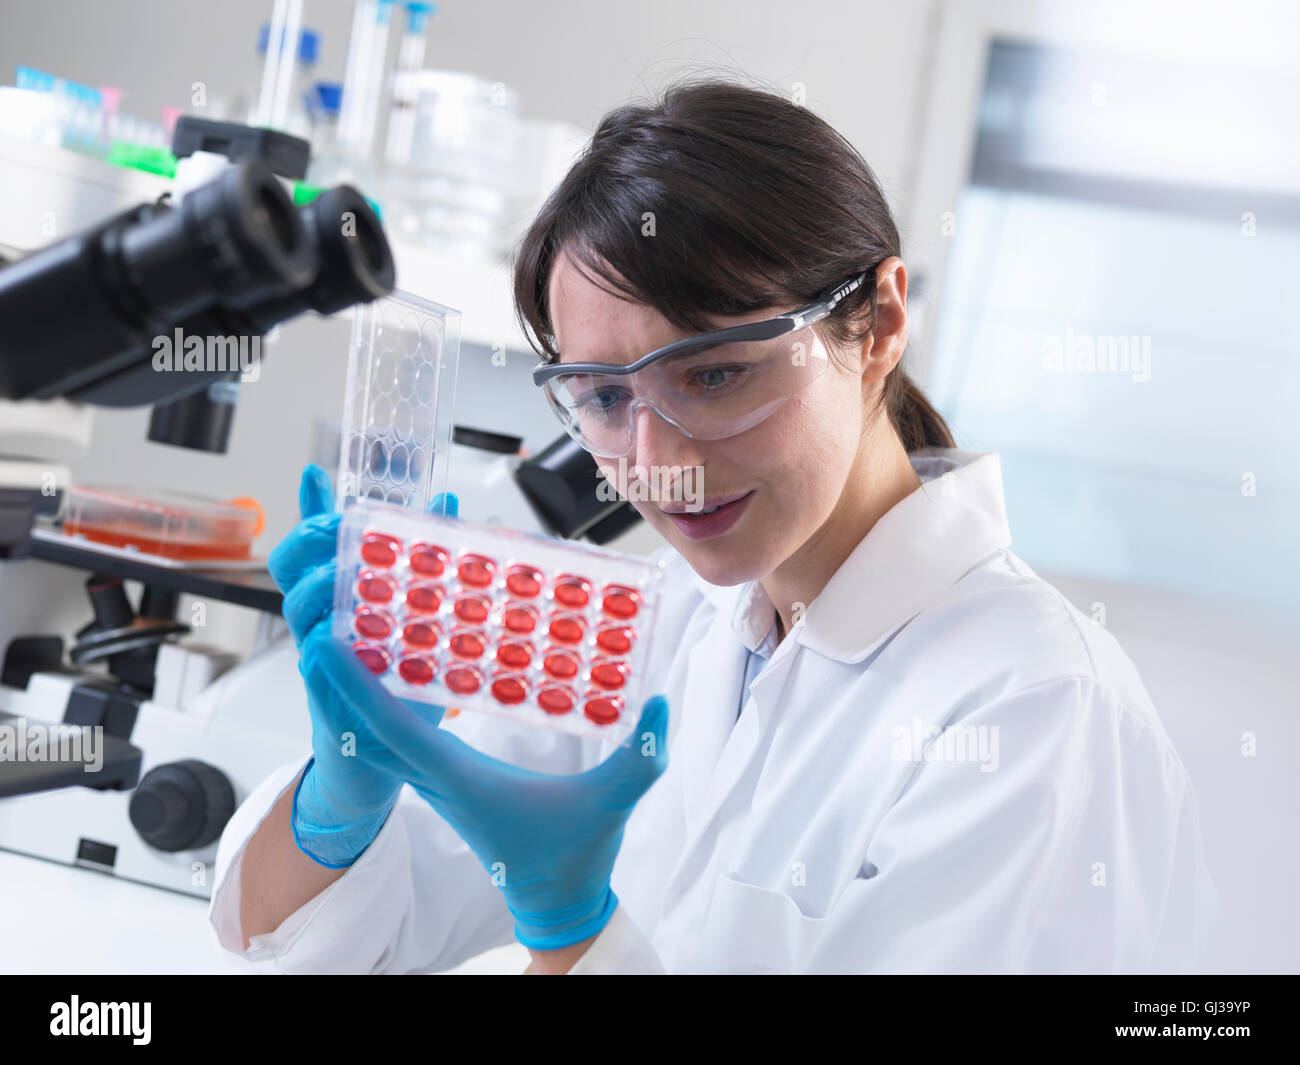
(182, 805)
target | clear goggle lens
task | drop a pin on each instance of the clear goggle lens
(707, 393)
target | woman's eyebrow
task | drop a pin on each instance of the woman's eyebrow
(707, 343)
(595, 358)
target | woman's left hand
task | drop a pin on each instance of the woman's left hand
(549, 842)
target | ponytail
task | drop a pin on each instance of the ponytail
(918, 424)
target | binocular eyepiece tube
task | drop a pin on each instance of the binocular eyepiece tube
(81, 317)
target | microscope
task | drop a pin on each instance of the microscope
(176, 735)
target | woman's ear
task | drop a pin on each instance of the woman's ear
(883, 348)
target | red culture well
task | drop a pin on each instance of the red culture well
(573, 592)
(463, 680)
(375, 587)
(375, 658)
(380, 549)
(515, 654)
(467, 644)
(609, 675)
(373, 624)
(567, 628)
(555, 699)
(620, 601)
(416, 670)
(615, 639)
(429, 560)
(510, 689)
(478, 571)
(524, 581)
(602, 709)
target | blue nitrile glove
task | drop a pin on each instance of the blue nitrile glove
(342, 799)
(548, 841)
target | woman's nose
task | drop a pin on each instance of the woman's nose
(657, 442)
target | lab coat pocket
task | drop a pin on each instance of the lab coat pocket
(750, 929)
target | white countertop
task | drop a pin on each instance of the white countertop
(64, 919)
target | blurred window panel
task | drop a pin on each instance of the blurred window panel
(1121, 318)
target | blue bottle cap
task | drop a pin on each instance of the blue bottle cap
(329, 96)
(308, 43)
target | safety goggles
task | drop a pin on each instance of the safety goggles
(709, 386)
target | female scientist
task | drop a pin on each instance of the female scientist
(883, 743)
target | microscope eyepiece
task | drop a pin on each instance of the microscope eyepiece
(249, 224)
(234, 259)
(356, 264)
(231, 242)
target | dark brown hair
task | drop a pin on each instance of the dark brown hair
(757, 202)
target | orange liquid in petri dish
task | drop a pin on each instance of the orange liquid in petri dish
(119, 535)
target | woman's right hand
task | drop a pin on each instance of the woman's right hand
(343, 798)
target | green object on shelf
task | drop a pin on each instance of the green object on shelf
(305, 193)
(146, 157)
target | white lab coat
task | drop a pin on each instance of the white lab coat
(814, 834)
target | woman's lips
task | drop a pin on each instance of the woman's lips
(699, 526)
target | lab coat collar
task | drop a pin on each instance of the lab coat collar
(913, 553)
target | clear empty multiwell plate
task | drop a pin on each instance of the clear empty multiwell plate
(397, 415)
(481, 618)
